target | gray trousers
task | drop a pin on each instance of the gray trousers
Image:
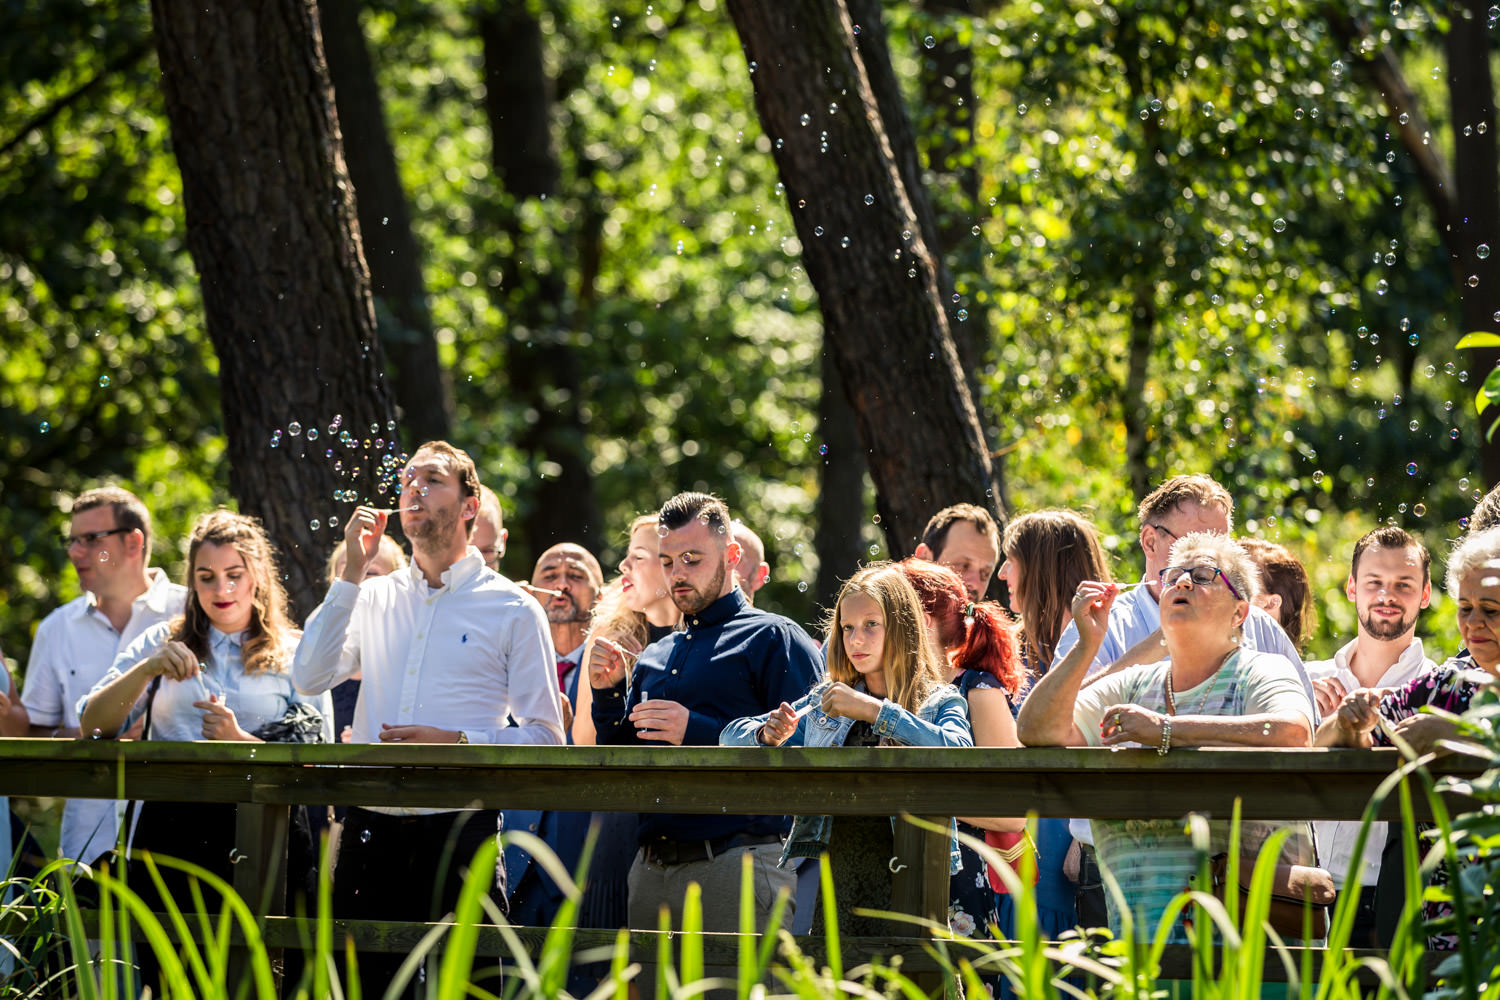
(653, 886)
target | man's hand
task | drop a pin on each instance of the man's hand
(779, 726)
(843, 702)
(13, 720)
(173, 661)
(362, 541)
(416, 734)
(606, 664)
(1329, 692)
(567, 711)
(660, 720)
(219, 722)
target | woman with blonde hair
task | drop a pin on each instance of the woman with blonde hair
(886, 686)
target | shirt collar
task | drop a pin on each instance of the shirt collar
(720, 610)
(156, 597)
(1409, 663)
(576, 656)
(222, 644)
(462, 571)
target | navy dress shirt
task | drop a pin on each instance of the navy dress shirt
(729, 661)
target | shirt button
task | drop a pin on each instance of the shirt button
(674, 671)
(419, 635)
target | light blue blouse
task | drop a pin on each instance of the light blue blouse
(255, 699)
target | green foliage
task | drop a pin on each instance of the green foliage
(1206, 190)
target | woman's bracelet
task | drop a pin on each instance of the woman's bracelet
(1166, 736)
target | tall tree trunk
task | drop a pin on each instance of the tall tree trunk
(540, 364)
(1142, 270)
(867, 254)
(1465, 201)
(272, 230)
(838, 538)
(423, 390)
(1476, 170)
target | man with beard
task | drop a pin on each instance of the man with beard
(729, 661)
(451, 652)
(1390, 582)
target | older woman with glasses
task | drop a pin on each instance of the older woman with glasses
(1208, 691)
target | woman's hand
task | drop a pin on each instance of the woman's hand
(219, 722)
(1091, 603)
(173, 661)
(606, 663)
(1131, 724)
(840, 701)
(779, 726)
(1423, 731)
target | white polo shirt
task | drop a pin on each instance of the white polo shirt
(74, 648)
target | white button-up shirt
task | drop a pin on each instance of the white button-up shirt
(1336, 836)
(468, 655)
(74, 647)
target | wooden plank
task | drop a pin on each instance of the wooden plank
(834, 781)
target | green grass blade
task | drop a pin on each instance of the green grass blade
(830, 918)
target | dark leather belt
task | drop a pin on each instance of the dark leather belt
(682, 852)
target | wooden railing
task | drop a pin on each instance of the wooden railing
(1105, 784)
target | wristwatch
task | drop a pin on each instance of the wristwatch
(463, 737)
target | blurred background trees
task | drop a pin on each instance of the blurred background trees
(1163, 238)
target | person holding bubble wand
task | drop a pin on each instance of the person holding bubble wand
(886, 686)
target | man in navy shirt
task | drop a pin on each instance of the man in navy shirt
(729, 661)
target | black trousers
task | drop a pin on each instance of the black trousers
(408, 868)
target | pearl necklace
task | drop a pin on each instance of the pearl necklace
(1207, 690)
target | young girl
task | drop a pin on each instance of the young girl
(886, 686)
(982, 659)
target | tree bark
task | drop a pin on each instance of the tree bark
(838, 538)
(423, 390)
(272, 231)
(868, 257)
(1476, 169)
(540, 364)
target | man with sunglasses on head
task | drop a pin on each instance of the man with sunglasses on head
(109, 544)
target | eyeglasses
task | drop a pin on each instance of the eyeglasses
(1201, 575)
(1170, 533)
(91, 538)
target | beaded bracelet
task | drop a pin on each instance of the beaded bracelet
(1166, 736)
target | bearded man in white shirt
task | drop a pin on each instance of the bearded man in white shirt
(1390, 582)
(449, 650)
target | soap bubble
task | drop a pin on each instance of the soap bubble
(314, 524)
(1411, 468)
(104, 381)
(294, 428)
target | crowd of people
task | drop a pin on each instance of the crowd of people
(440, 647)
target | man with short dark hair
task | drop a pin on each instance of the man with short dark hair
(966, 539)
(1390, 582)
(450, 652)
(109, 545)
(729, 661)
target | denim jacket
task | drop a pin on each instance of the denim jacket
(941, 721)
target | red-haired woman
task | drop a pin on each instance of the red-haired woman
(979, 645)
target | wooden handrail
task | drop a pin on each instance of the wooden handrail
(1050, 781)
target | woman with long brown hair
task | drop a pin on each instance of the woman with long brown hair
(221, 671)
